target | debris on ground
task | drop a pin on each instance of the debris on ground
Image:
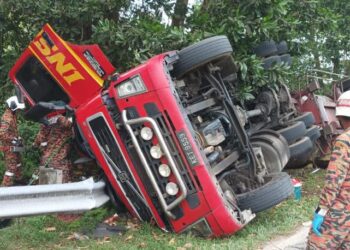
(104, 230)
(77, 236)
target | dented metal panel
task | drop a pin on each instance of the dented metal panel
(54, 198)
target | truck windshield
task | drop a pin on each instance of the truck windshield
(39, 84)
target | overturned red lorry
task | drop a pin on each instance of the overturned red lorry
(165, 133)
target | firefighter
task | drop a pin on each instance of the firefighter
(11, 143)
(41, 138)
(57, 146)
(331, 222)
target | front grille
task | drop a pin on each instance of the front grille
(132, 113)
(160, 119)
(107, 142)
(154, 113)
(116, 116)
(162, 122)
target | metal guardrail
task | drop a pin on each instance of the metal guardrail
(54, 198)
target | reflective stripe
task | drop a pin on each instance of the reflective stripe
(10, 174)
(343, 103)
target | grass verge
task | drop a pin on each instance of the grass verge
(47, 232)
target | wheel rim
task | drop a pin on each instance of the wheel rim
(271, 157)
(276, 141)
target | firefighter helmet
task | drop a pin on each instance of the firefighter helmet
(14, 104)
(343, 105)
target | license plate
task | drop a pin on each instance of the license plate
(187, 148)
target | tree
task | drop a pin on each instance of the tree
(180, 12)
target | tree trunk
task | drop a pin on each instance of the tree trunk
(336, 65)
(180, 13)
(205, 6)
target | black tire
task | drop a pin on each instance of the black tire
(293, 132)
(271, 61)
(300, 153)
(286, 59)
(198, 54)
(282, 47)
(278, 188)
(307, 118)
(313, 133)
(265, 49)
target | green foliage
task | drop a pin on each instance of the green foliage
(132, 43)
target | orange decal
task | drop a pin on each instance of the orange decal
(59, 59)
(73, 77)
(54, 57)
(43, 47)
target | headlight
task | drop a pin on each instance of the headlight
(146, 133)
(171, 188)
(156, 152)
(164, 170)
(131, 87)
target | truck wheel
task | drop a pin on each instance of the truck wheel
(293, 132)
(278, 187)
(196, 55)
(267, 48)
(271, 156)
(274, 148)
(313, 133)
(300, 153)
(282, 47)
(286, 59)
(271, 61)
(307, 118)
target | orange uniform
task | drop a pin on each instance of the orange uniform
(8, 135)
(335, 197)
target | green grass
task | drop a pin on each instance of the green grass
(30, 233)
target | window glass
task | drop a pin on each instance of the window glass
(39, 84)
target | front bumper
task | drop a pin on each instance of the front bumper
(160, 193)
